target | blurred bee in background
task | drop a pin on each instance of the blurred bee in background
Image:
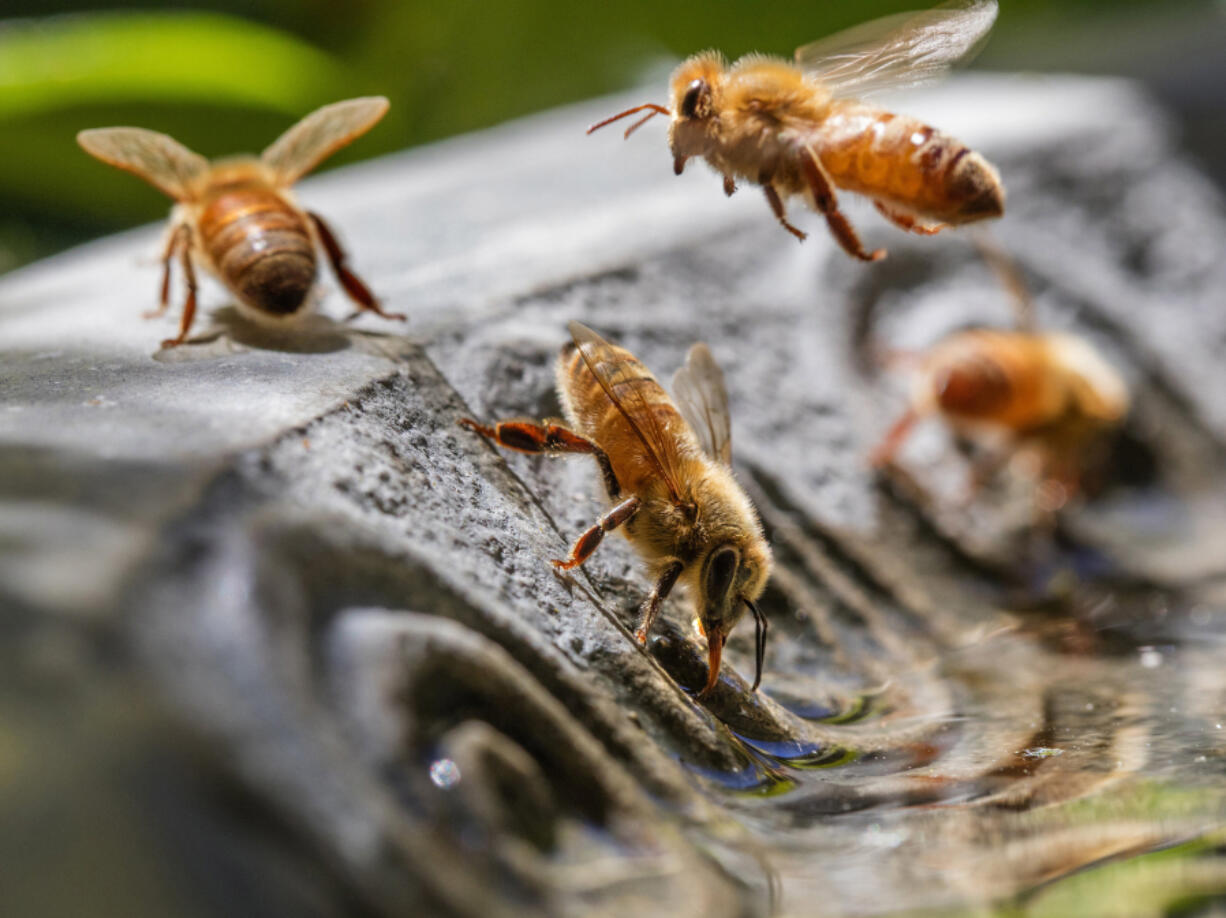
(1051, 395)
(237, 218)
(666, 469)
(795, 128)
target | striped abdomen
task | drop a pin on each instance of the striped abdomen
(260, 247)
(1002, 378)
(903, 162)
(594, 415)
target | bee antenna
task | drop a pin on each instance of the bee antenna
(655, 110)
(760, 626)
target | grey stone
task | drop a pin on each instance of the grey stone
(267, 575)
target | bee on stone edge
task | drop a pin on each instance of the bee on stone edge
(666, 470)
(237, 218)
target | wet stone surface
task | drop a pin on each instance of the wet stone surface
(281, 638)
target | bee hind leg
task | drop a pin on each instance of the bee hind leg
(172, 243)
(590, 540)
(354, 286)
(909, 222)
(651, 605)
(183, 242)
(828, 205)
(527, 437)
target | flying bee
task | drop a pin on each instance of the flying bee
(1051, 393)
(796, 128)
(237, 217)
(667, 473)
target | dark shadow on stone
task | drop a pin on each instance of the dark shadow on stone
(230, 330)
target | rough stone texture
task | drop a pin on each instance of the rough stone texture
(256, 588)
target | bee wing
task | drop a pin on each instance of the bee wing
(160, 160)
(604, 363)
(320, 134)
(901, 50)
(702, 400)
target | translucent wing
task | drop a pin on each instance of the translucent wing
(162, 161)
(698, 388)
(320, 134)
(901, 50)
(608, 366)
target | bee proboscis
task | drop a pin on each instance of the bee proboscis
(797, 128)
(237, 218)
(666, 470)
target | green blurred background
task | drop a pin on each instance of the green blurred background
(227, 76)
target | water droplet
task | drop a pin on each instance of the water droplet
(444, 773)
(1200, 758)
(1150, 658)
(1042, 752)
(884, 838)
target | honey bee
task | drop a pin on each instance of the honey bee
(1052, 393)
(796, 128)
(667, 473)
(237, 217)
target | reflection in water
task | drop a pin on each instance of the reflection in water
(1084, 728)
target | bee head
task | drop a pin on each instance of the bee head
(692, 86)
(732, 576)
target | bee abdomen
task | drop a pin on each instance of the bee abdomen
(261, 248)
(975, 386)
(1001, 377)
(905, 162)
(630, 382)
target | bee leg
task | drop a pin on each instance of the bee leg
(883, 454)
(679, 164)
(828, 205)
(189, 275)
(588, 542)
(909, 222)
(651, 605)
(729, 185)
(776, 203)
(167, 256)
(526, 437)
(354, 285)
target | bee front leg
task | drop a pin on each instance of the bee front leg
(189, 275)
(526, 437)
(354, 285)
(729, 185)
(828, 205)
(883, 454)
(651, 605)
(588, 542)
(776, 203)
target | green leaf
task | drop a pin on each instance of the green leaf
(58, 62)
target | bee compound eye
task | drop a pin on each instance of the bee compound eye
(721, 571)
(695, 91)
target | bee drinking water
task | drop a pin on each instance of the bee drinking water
(666, 470)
